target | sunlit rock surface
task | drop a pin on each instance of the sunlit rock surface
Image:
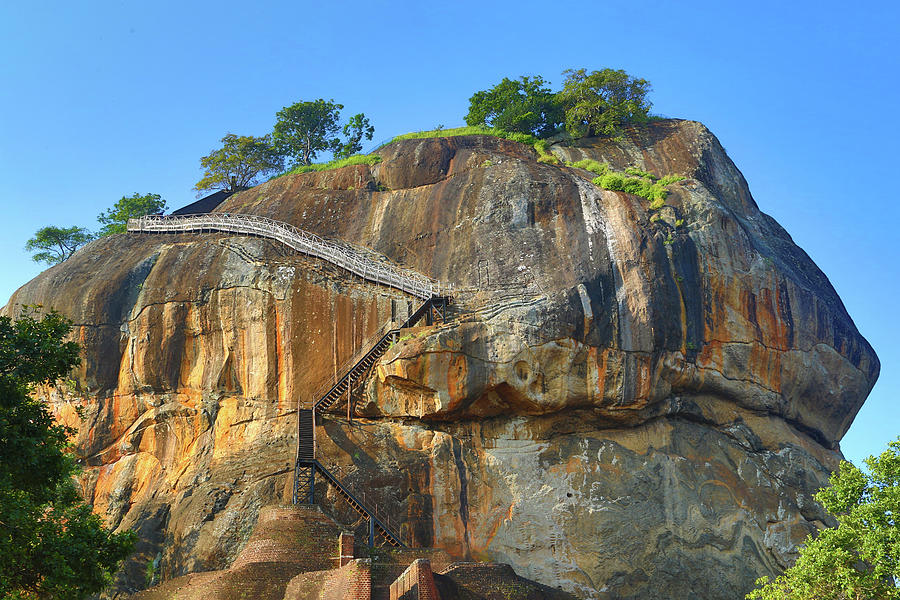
(620, 407)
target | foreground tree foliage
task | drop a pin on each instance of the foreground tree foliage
(115, 219)
(238, 162)
(860, 558)
(51, 545)
(601, 102)
(524, 105)
(56, 244)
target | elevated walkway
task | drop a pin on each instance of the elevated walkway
(353, 259)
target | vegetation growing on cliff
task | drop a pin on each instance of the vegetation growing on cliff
(468, 130)
(56, 244)
(356, 159)
(860, 558)
(524, 110)
(590, 103)
(238, 162)
(115, 219)
(51, 544)
(632, 181)
(540, 146)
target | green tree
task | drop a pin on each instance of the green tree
(355, 130)
(524, 105)
(115, 219)
(236, 164)
(56, 244)
(601, 102)
(304, 129)
(51, 545)
(860, 558)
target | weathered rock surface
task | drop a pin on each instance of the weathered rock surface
(620, 407)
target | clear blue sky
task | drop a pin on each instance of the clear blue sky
(101, 99)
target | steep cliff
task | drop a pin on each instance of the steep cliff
(618, 406)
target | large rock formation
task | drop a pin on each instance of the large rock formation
(620, 407)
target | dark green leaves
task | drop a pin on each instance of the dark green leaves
(601, 102)
(524, 105)
(595, 103)
(304, 129)
(357, 128)
(51, 545)
(32, 351)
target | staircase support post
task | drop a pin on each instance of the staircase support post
(305, 483)
(371, 531)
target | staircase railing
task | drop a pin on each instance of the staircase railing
(349, 365)
(377, 522)
(344, 254)
(373, 347)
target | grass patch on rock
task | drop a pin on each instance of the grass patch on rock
(542, 147)
(644, 185)
(356, 159)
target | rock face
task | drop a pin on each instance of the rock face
(620, 407)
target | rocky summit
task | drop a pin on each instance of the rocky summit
(622, 402)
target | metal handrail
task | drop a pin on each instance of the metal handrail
(343, 255)
(344, 369)
(369, 511)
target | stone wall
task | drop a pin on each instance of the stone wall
(302, 536)
(351, 582)
(415, 583)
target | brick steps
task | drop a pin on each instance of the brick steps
(296, 553)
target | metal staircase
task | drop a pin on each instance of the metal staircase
(373, 349)
(350, 372)
(304, 471)
(377, 523)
